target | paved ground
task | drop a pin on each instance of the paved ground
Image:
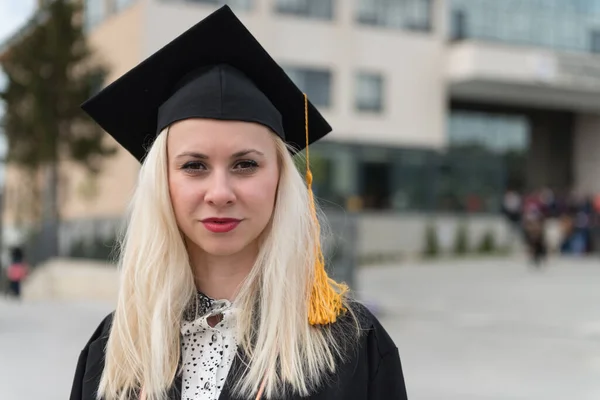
(468, 330)
(39, 346)
(494, 330)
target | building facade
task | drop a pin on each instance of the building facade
(437, 106)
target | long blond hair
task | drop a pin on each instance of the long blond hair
(283, 350)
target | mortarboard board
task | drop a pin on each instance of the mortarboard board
(216, 69)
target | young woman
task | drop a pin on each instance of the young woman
(224, 294)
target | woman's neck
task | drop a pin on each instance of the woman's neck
(219, 277)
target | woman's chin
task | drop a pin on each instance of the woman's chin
(222, 247)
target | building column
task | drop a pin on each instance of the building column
(549, 162)
(586, 158)
(440, 10)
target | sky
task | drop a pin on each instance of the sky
(13, 14)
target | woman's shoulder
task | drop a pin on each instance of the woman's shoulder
(374, 335)
(102, 330)
(362, 330)
(96, 345)
(373, 369)
(91, 362)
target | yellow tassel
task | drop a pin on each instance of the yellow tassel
(326, 294)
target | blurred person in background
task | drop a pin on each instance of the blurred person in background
(223, 288)
(534, 229)
(595, 223)
(16, 272)
(580, 226)
(511, 208)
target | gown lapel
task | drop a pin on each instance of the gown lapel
(236, 370)
(174, 392)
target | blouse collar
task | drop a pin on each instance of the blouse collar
(198, 311)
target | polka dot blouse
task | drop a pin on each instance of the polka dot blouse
(207, 352)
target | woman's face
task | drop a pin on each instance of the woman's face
(223, 178)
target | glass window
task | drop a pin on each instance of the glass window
(235, 4)
(311, 8)
(375, 166)
(560, 24)
(315, 82)
(360, 177)
(458, 25)
(490, 132)
(468, 182)
(412, 177)
(369, 92)
(334, 171)
(595, 41)
(487, 153)
(95, 12)
(122, 4)
(405, 14)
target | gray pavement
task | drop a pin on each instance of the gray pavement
(468, 330)
(494, 330)
(39, 346)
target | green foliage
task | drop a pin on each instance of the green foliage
(487, 244)
(49, 74)
(432, 246)
(461, 240)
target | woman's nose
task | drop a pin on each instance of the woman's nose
(219, 192)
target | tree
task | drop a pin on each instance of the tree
(488, 243)
(432, 247)
(461, 240)
(50, 71)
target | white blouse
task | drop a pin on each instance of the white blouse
(207, 352)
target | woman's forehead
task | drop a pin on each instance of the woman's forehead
(216, 135)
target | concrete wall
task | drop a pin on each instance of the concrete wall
(586, 153)
(71, 279)
(404, 234)
(412, 65)
(523, 75)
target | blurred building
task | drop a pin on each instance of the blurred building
(437, 105)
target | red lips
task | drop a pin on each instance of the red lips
(220, 225)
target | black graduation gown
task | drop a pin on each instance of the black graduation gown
(374, 372)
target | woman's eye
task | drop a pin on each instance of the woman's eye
(247, 165)
(193, 165)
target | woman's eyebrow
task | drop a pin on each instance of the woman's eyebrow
(201, 156)
(246, 152)
(193, 155)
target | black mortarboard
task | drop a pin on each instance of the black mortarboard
(217, 70)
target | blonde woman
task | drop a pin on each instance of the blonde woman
(224, 294)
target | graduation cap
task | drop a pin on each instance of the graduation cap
(217, 70)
